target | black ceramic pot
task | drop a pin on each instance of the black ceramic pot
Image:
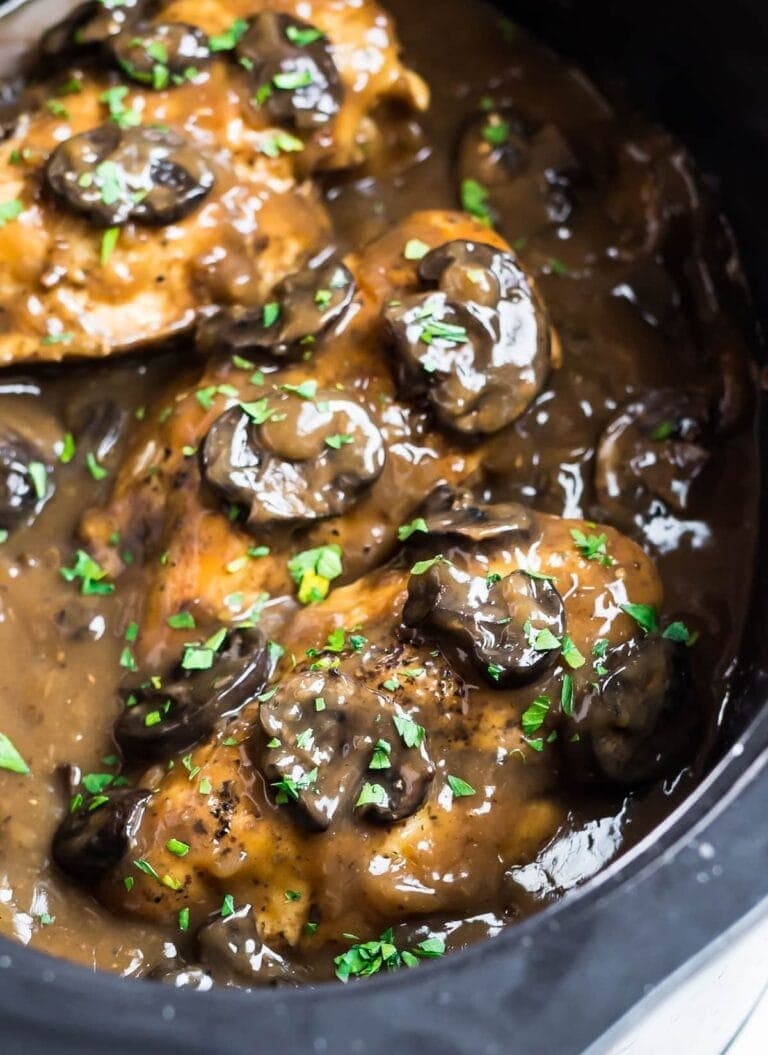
(556, 982)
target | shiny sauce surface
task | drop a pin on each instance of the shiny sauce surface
(639, 433)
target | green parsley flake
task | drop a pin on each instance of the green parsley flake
(38, 474)
(10, 758)
(571, 654)
(424, 565)
(474, 200)
(372, 795)
(313, 570)
(459, 788)
(184, 919)
(566, 695)
(229, 39)
(592, 547)
(406, 530)
(97, 471)
(177, 847)
(90, 574)
(339, 440)
(380, 758)
(108, 242)
(680, 633)
(306, 390)
(303, 36)
(10, 210)
(533, 717)
(181, 621)
(644, 615)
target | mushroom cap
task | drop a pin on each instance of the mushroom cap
(326, 749)
(622, 738)
(458, 513)
(494, 623)
(191, 702)
(650, 454)
(526, 169)
(147, 175)
(155, 53)
(292, 64)
(477, 343)
(92, 839)
(229, 947)
(304, 305)
(19, 500)
(89, 26)
(285, 469)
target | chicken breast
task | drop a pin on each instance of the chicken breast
(195, 548)
(128, 206)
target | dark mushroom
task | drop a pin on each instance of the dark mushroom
(459, 514)
(617, 732)
(161, 54)
(87, 28)
(510, 627)
(527, 171)
(159, 722)
(302, 308)
(230, 948)
(148, 175)
(476, 343)
(25, 479)
(326, 734)
(292, 65)
(299, 459)
(650, 454)
(93, 838)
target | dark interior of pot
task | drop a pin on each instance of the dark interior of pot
(380, 447)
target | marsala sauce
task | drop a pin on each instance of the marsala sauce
(624, 331)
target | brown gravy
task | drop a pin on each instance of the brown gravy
(636, 308)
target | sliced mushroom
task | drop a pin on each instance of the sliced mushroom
(510, 627)
(477, 344)
(307, 459)
(161, 54)
(148, 175)
(93, 839)
(159, 722)
(526, 171)
(302, 308)
(618, 731)
(88, 27)
(317, 747)
(459, 513)
(650, 455)
(24, 479)
(292, 65)
(232, 951)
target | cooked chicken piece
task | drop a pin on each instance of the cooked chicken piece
(129, 206)
(389, 773)
(329, 467)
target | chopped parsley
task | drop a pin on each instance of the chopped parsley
(108, 242)
(592, 547)
(460, 789)
(38, 474)
(306, 390)
(474, 200)
(339, 440)
(10, 210)
(566, 695)
(292, 80)
(533, 717)
(227, 906)
(313, 570)
(424, 565)
(10, 758)
(118, 112)
(406, 530)
(90, 574)
(366, 958)
(571, 654)
(372, 795)
(303, 36)
(229, 39)
(177, 847)
(97, 471)
(680, 633)
(280, 142)
(644, 615)
(380, 758)
(181, 621)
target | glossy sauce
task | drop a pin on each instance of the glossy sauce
(632, 315)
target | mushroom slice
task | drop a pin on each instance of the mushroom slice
(292, 65)
(94, 838)
(459, 513)
(650, 454)
(294, 459)
(324, 736)
(510, 627)
(477, 343)
(147, 175)
(157, 723)
(22, 492)
(230, 948)
(526, 171)
(159, 54)
(618, 719)
(89, 26)
(304, 305)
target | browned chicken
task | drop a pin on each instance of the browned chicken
(319, 450)
(132, 199)
(413, 746)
